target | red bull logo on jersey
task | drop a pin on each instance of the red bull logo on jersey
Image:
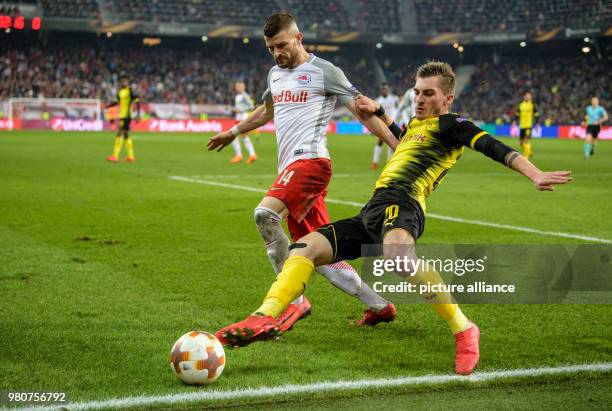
(304, 78)
(286, 96)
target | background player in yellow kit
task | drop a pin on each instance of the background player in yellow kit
(526, 114)
(125, 98)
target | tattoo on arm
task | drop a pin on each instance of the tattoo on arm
(511, 157)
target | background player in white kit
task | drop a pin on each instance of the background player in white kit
(389, 102)
(301, 96)
(243, 105)
(406, 109)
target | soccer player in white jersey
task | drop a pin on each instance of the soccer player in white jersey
(242, 106)
(389, 102)
(301, 95)
(406, 109)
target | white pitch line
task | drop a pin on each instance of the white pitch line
(272, 176)
(429, 215)
(374, 175)
(327, 386)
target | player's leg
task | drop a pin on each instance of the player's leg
(314, 249)
(588, 141)
(341, 274)
(399, 243)
(269, 215)
(377, 152)
(298, 186)
(334, 242)
(595, 135)
(129, 145)
(526, 142)
(593, 143)
(248, 144)
(237, 151)
(113, 158)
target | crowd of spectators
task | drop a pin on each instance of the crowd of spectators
(11, 10)
(314, 15)
(82, 9)
(561, 87)
(211, 12)
(160, 74)
(530, 16)
(383, 16)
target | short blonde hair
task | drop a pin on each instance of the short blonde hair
(439, 68)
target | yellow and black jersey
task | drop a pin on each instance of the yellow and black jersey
(429, 148)
(125, 98)
(526, 114)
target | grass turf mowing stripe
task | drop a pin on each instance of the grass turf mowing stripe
(328, 386)
(430, 215)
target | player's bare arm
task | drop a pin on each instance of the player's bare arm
(498, 151)
(260, 116)
(368, 106)
(373, 123)
(542, 180)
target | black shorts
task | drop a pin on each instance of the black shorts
(525, 132)
(124, 124)
(388, 208)
(593, 130)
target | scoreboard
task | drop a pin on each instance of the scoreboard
(19, 23)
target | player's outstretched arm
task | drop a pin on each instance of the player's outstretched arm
(542, 180)
(363, 108)
(468, 134)
(258, 118)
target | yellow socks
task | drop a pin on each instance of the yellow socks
(442, 303)
(289, 285)
(527, 149)
(456, 320)
(129, 147)
(118, 145)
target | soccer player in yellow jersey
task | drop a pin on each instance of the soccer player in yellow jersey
(395, 215)
(526, 114)
(125, 98)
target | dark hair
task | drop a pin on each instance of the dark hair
(438, 68)
(277, 23)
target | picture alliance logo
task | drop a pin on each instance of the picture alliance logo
(399, 265)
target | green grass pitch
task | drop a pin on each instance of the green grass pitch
(103, 266)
